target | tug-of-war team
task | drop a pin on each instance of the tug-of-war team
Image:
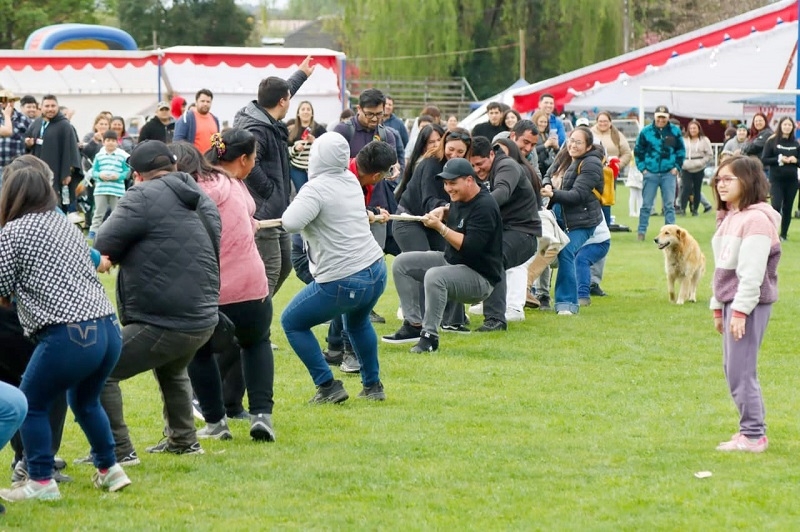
(488, 213)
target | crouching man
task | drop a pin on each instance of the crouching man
(468, 269)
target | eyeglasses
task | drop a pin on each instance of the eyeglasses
(726, 179)
(369, 116)
(576, 142)
(454, 135)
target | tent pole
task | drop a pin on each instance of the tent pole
(797, 81)
(641, 107)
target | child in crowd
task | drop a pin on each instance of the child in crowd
(46, 265)
(746, 254)
(110, 170)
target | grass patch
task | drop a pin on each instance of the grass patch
(595, 422)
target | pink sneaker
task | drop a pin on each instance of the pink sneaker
(740, 442)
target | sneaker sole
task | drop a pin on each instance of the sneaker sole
(261, 432)
(129, 463)
(120, 486)
(350, 369)
(456, 331)
(373, 397)
(224, 436)
(403, 341)
(334, 399)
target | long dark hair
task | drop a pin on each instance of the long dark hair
(700, 133)
(419, 150)
(514, 153)
(755, 132)
(27, 188)
(296, 129)
(191, 161)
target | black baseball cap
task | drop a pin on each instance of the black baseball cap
(455, 168)
(151, 155)
(662, 110)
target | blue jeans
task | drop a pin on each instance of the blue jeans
(13, 408)
(298, 177)
(354, 297)
(76, 358)
(652, 182)
(587, 256)
(566, 279)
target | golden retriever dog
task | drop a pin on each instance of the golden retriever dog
(683, 260)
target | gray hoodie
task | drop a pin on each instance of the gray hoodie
(329, 212)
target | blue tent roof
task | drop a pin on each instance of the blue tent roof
(768, 99)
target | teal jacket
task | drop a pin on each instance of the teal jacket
(659, 150)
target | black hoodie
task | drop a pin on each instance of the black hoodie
(512, 189)
(580, 208)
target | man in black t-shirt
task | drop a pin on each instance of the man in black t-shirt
(468, 269)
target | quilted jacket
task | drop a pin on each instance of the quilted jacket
(169, 274)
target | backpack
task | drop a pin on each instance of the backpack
(608, 196)
(351, 129)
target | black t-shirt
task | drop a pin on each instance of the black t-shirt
(486, 129)
(480, 223)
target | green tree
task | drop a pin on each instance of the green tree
(185, 22)
(21, 18)
(311, 9)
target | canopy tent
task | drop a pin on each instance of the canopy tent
(131, 83)
(750, 51)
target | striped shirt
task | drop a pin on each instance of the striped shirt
(115, 164)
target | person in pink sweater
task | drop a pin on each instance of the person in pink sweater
(746, 254)
(244, 292)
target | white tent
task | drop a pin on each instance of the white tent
(750, 51)
(129, 83)
(479, 114)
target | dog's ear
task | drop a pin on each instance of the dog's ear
(680, 233)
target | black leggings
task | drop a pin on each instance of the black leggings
(691, 185)
(783, 192)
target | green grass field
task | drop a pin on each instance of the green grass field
(592, 422)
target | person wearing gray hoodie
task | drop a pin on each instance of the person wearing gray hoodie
(347, 264)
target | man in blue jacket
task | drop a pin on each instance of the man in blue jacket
(659, 155)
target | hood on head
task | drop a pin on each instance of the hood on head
(330, 154)
(175, 108)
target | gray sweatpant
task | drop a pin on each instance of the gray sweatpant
(442, 281)
(739, 360)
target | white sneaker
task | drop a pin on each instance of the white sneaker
(31, 489)
(565, 313)
(476, 309)
(514, 315)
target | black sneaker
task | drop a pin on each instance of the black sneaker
(241, 415)
(405, 334)
(332, 393)
(428, 343)
(373, 393)
(459, 329)
(544, 303)
(708, 207)
(333, 356)
(374, 317)
(130, 459)
(595, 290)
(492, 325)
(261, 428)
(164, 446)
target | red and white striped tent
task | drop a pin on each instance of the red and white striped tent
(751, 52)
(129, 83)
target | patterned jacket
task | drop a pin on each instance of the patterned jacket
(659, 150)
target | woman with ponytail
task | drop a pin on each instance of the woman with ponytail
(244, 293)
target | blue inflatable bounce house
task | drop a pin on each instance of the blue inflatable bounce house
(80, 37)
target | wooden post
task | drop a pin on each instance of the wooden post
(521, 54)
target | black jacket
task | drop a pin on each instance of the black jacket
(269, 182)
(424, 192)
(756, 146)
(169, 274)
(580, 208)
(511, 187)
(155, 129)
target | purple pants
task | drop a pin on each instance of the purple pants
(739, 359)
